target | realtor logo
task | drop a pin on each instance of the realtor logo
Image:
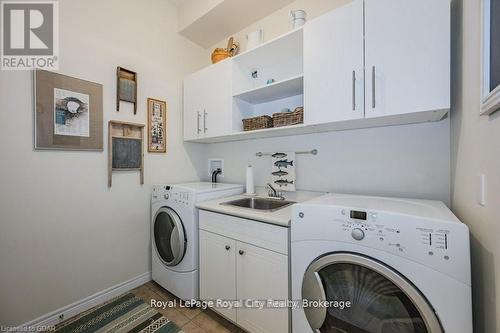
(29, 35)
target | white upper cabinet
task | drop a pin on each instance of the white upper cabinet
(407, 49)
(192, 87)
(207, 102)
(333, 65)
(366, 63)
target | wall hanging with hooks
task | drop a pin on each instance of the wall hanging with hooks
(312, 152)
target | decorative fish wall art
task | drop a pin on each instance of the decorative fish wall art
(279, 155)
(283, 171)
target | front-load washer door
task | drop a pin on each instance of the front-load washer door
(169, 236)
(382, 300)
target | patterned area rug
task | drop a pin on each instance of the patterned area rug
(126, 313)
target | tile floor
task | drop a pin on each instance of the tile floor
(191, 320)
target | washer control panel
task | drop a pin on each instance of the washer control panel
(405, 236)
(428, 239)
(364, 225)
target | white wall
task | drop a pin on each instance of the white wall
(63, 234)
(402, 161)
(475, 151)
(278, 22)
(405, 161)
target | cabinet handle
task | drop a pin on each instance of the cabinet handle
(373, 88)
(228, 247)
(205, 121)
(198, 122)
(353, 90)
(241, 252)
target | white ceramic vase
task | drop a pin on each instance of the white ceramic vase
(255, 38)
(298, 18)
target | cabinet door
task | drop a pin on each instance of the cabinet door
(407, 56)
(217, 99)
(333, 65)
(217, 270)
(261, 275)
(192, 108)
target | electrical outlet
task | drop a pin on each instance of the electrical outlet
(481, 194)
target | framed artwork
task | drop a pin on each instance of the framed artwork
(68, 112)
(157, 126)
(490, 50)
(126, 87)
(125, 148)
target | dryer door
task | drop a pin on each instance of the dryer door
(169, 237)
(382, 300)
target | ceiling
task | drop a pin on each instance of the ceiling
(225, 18)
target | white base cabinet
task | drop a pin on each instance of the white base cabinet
(261, 275)
(235, 266)
(217, 267)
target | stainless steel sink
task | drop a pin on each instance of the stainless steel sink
(263, 204)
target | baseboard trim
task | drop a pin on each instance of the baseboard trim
(84, 304)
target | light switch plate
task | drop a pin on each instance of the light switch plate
(481, 198)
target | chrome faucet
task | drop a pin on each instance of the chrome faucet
(273, 193)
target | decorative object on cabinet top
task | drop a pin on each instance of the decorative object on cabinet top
(68, 112)
(298, 18)
(231, 50)
(255, 38)
(126, 87)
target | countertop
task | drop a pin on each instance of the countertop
(281, 217)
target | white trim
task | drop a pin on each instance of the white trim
(490, 101)
(84, 304)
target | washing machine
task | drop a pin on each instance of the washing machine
(174, 233)
(379, 265)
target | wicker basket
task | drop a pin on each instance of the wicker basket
(289, 118)
(256, 123)
(220, 54)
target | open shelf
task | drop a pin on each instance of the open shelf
(269, 130)
(285, 43)
(301, 129)
(280, 59)
(277, 90)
